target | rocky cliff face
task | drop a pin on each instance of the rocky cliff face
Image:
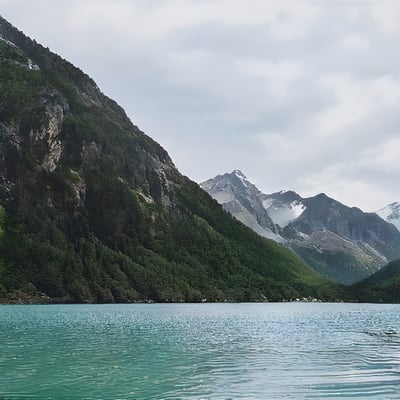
(242, 199)
(324, 213)
(92, 209)
(340, 242)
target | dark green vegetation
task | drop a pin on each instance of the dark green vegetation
(337, 265)
(93, 210)
(383, 286)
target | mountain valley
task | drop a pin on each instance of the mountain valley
(340, 242)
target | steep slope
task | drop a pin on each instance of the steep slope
(94, 210)
(283, 207)
(340, 242)
(391, 213)
(241, 198)
(382, 286)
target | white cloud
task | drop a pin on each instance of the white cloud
(158, 18)
(355, 101)
(386, 14)
(385, 156)
(276, 142)
(354, 192)
(299, 94)
(355, 41)
(280, 74)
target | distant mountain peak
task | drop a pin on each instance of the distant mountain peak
(285, 196)
(324, 197)
(391, 207)
(239, 173)
(341, 242)
(391, 213)
(242, 199)
(243, 179)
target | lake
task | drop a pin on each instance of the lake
(200, 351)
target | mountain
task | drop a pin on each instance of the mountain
(241, 198)
(340, 242)
(283, 207)
(382, 286)
(94, 210)
(391, 213)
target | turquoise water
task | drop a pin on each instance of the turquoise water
(200, 351)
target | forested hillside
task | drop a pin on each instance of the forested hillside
(93, 210)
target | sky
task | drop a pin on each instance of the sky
(299, 95)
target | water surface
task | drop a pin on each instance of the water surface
(200, 351)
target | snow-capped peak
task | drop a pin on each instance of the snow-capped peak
(391, 213)
(240, 175)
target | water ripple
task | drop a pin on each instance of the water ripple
(207, 351)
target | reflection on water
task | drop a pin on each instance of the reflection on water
(200, 351)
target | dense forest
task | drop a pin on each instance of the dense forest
(93, 210)
(381, 287)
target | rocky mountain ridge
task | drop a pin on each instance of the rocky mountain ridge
(242, 199)
(341, 242)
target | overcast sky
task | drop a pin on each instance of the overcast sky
(300, 95)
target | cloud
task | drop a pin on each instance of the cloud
(386, 14)
(385, 157)
(349, 190)
(355, 41)
(355, 101)
(300, 95)
(279, 74)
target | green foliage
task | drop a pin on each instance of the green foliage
(19, 97)
(382, 287)
(337, 265)
(10, 54)
(115, 221)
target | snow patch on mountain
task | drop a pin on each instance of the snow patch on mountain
(391, 213)
(223, 197)
(283, 214)
(239, 174)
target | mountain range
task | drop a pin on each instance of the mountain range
(94, 210)
(340, 242)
